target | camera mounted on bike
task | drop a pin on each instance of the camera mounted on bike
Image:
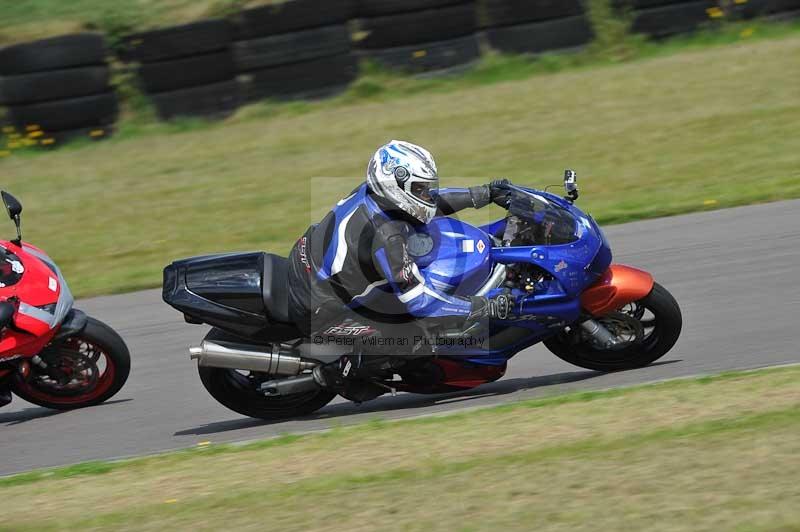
(571, 185)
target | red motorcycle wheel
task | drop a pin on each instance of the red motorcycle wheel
(94, 365)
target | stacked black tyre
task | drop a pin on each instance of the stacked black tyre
(417, 35)
(535, 26)
(779, 9)
(57, 89)
(187, 70)
(294, 49)
(664, 18)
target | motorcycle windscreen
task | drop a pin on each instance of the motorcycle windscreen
(534, 220)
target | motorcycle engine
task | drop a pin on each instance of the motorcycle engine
(525, 277)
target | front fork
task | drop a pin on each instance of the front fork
(617, 287)
(599, 333)
(74, 323)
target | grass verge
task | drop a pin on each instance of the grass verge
(704, 128)
(711, 453)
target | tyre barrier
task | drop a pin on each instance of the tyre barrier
(438, 36)
(56, 90)
(512, 12)
(672, 18)
(748, 9)
(664, 18)
(535, 26)
(59, 88)
(378, 8)
(289, 16)
(319, 78)
(298, 49)
(436, 57)
(734, 9)
(187, 70)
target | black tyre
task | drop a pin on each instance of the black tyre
(512, 12)
(661, 322)
(644, 4)
(96, 362)
(377, 8)
(747, 10)
(236, 390)
(291, 47)
(670, 20)
(781, 6)
(176, 74)
(428, 57)
(55, 53)
(73, 113)
(539, 37)
(217, 100)
(310, 79)
(54, 85)
(412, 28)
(288, 16)
(178, 41)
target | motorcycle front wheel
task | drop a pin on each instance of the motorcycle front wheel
(92, 366)
(653, 325)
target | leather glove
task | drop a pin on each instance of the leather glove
(499, 192)
(499, 307)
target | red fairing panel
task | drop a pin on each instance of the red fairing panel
(38, 286)
(618, 286)
(15, 344)
(458, 375)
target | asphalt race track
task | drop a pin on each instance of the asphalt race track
(736, 274)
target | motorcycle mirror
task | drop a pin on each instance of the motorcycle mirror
(571, 185)
(14, 209)
(7, 311)
(13, 206)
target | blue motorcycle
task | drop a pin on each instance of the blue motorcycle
(548, 256)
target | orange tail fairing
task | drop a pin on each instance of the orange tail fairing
(618, 286)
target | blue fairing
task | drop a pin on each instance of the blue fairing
(460, 261)
(461, 266)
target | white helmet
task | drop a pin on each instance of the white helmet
(405, 175)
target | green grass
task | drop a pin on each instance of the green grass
(717, 453)
(706, 127)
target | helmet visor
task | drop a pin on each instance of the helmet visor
(423, 191)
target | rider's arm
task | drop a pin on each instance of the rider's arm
(412, 287)
(452, 200)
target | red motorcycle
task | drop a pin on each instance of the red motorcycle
(50, 353)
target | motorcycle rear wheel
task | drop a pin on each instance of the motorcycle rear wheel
(662, 329)
(98, 355)
(237, 391)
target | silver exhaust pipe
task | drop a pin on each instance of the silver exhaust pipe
(289, 386)
(236, 356)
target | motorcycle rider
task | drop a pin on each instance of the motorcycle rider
(356, 265)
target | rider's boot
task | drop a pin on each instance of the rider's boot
(349, 378)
